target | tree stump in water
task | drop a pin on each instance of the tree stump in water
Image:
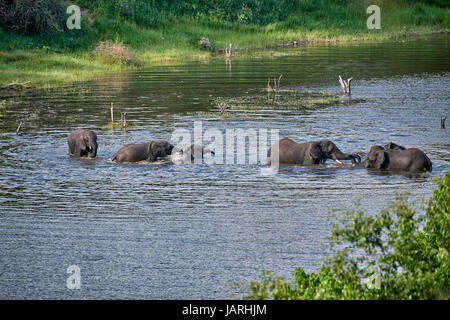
(345, 85)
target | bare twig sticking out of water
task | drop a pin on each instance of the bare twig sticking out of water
(276, 84)
(123, 119)
(19, 127)
(222, 108)
(112, 113)
(228, 52)
(277, 87)
(345, 85)
(443, 118)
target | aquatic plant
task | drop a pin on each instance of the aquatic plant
(284, 99)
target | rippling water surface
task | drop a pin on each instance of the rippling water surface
(167, 231)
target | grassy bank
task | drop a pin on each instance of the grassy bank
(151, 33)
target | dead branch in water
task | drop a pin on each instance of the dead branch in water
(269, 88)
(112, 112)
(276, 84)
(228, 52)
(19, 127)
(277, 88)
(222, 108)
(123, 119)
(345, 85)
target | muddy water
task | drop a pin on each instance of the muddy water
(181, 231)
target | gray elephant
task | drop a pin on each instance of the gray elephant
(82, 143)
(397, 158)
(150, 151)
(291, 152)
(189, 154)
(393, 146)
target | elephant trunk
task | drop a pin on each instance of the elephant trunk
(92, 151)
(339, 155)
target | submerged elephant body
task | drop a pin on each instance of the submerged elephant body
(150, 151)
(397, 158)
(291, 152)
(82, 143)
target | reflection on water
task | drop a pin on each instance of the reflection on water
(182, 231)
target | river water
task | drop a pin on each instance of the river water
(166, 231)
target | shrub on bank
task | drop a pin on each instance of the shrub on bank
(114, 53)
(397, 254)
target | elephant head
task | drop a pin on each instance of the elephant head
(376, 159)
(322, 150)
(159, 149)
(82, 143)
(90, 144)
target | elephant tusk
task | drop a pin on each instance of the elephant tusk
(339, 161)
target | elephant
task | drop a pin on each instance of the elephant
(189, 154)
(82, 143)
(149, 151)
(393, 146)
(307, 153)
(397, 158)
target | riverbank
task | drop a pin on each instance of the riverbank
(42, 61)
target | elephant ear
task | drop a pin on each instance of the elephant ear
(152, 151)
(316, 153)
(381, 160)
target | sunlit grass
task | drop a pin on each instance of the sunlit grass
(66, 57)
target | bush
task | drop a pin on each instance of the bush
(151, 12)
(32, 16)
(113, 53)
(393, 255)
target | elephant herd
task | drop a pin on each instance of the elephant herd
(83, 143)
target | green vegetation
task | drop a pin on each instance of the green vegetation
(36, 45)
(284, 99)
(397, 254)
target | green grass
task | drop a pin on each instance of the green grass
(49, 69)
(48, 60)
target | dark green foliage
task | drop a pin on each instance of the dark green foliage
(440, 3)
(138, 24)
(32, 16)
(397, 254)
(149, 13)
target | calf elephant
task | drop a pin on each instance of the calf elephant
(189, 154)
(82, 143)
(391, 157)
(150, 151)
(292, 152)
